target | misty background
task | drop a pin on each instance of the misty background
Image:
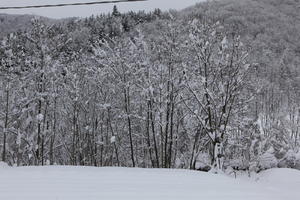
(85, 11)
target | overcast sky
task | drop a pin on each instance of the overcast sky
(84, 11)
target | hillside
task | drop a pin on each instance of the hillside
(214, 85)
(270, 30)
(12, 23)
(265, 24)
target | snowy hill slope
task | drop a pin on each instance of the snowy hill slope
(12, 23)
(87, 183)
(286, 181)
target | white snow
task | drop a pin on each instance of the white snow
(3, 165)
(113, 139)
(88, 183)
(285, 181)
(40, 117)
(267, 160)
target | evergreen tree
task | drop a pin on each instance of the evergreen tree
(116, 12)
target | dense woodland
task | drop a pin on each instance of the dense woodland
(217, 84)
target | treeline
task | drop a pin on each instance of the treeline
(271, 28)
(178, 89)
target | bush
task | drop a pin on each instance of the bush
(267, 161)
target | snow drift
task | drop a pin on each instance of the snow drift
(88, 183)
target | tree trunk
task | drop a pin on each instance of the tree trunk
(153, 133)
(127, 110)
(5, 126)
(218, 156)
(148, 134)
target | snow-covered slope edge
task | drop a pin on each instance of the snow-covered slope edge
(286, 181)
(88, 183)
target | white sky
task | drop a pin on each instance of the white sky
(84, 11)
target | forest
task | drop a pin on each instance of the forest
(216, 85)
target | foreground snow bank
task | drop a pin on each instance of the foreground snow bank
(286, 181)
(88, 183)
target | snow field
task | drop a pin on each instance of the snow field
(89, 183)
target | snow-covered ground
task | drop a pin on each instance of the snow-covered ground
(88, 183)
